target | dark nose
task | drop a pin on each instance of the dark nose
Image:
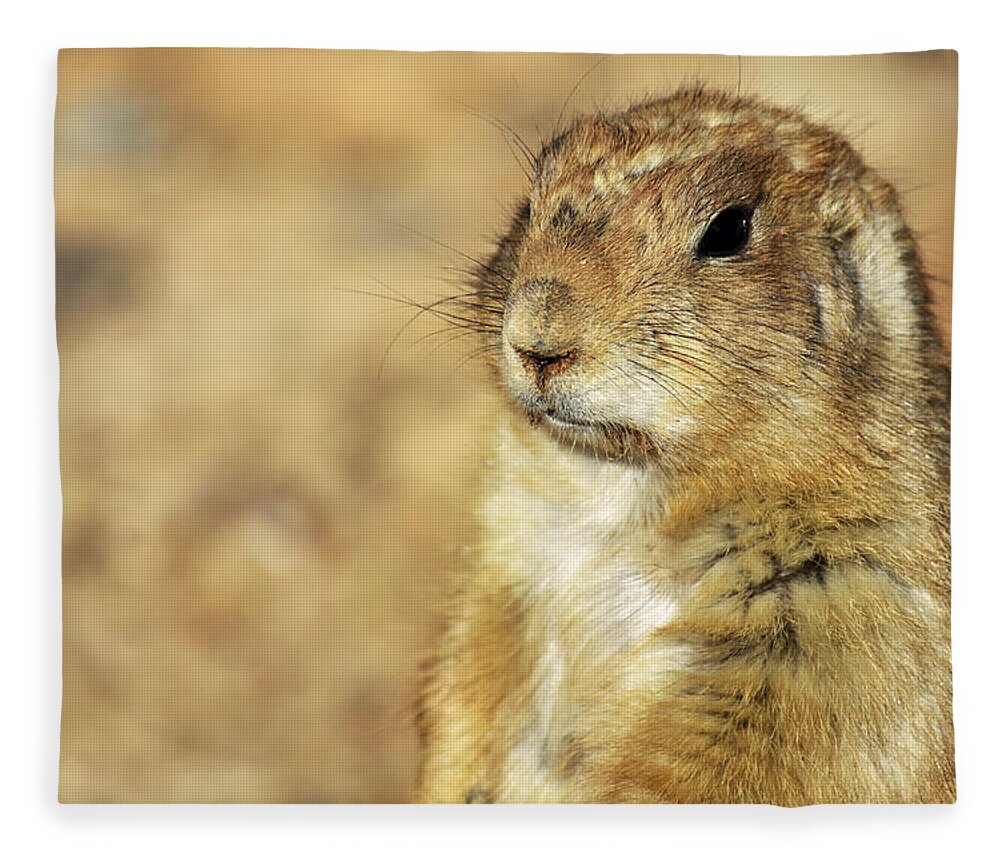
(544, 362)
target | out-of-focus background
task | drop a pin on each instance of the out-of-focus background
(267, 489)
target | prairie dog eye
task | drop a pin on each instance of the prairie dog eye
(727, 234)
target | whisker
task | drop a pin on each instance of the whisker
(683, 358)
(650, 376)
(422, 310)
(521, 151)
(467, 358)
(611, 379)
(458, 319)
(715, 345)
(538, 131)
(576, 86)
(657, 377)
(447, 341)
(479, 264)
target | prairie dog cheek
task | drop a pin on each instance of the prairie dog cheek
(642, 403)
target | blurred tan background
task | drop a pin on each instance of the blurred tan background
(265, 494)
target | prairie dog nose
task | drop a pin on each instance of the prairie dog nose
(539, 330)
(543, 360)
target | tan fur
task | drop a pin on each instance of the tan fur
(715, 559)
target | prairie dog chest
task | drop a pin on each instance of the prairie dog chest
(593, 577)
(591, 566)
(595, 583)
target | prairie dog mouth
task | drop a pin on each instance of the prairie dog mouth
(562, 421)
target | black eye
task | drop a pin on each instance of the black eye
(728, 233)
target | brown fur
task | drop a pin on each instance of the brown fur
(715, 557)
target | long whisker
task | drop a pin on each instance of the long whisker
(683, 358)
(611, 379)
(523, 154)
(538, 131)
(473, 354)
(479, 264)
(657, 377)
(650, 376)
(458, 319)
(651, 324)
(499, 124)
(576, 86)
(429, 308)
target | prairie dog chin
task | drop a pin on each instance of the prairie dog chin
(715, 557)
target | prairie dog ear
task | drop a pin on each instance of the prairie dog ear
(874, 254)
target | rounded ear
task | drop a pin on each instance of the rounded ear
(875, 256)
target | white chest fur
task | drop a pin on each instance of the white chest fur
(596, 586)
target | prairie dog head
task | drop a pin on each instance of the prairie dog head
(708, 277)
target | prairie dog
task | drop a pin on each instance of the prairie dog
(714, 564)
